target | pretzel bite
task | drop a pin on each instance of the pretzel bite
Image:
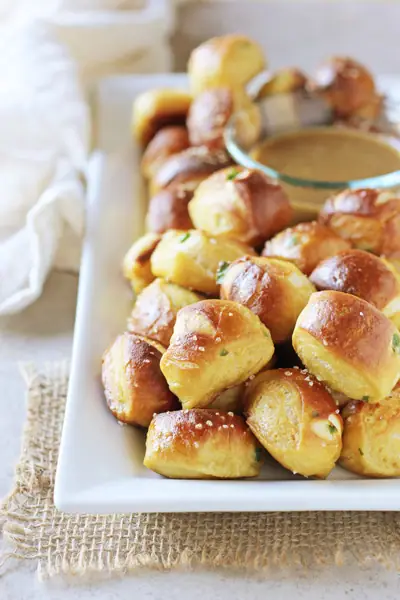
(275, 290)
(364, 275)
(284, 81)
(349, 344)
(165, 143)
(156, 109)
(134, 386)
(229, 60)
(216, 345)
(169, 210)
(369, 219)
(191, 259)
(242, 204)
(202, 444)
(305, 244)
(371, 438)
(296, 420)
(155, 310)
(345, 84)
(211, 111)
(136, 264)
(189, 168)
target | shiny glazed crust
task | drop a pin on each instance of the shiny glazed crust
(362, 274)
(296, 420)
(165, 143)
(242, 204)
(191, 259)
(156, 109)
(216, 345)
(369, 219)
(305, 244)
(211, 111)
(229, 60)
(169, 210)
(348, 344)
(155, 310)
(136, 264)
(134, 386)
(189, 168)
(371, 438)
(275, 290)
(202, 444)
(345, 84)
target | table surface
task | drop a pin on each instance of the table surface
(44, 331)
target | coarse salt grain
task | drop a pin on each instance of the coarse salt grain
(233, 427)
(198, 426)
(201, 348)
(225, 426)
(230, 413)
(196, 444)
(324, 342)
(209, 423)
(310, 383)
(288, 373)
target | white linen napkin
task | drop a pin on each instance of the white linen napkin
(50, 51)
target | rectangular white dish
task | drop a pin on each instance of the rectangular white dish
(100, 466)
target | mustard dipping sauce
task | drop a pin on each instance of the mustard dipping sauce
(325, 154)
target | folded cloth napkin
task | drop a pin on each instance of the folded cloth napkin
(49, 54)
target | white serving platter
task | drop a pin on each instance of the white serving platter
(100, 466)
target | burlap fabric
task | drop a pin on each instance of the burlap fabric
(79, 544)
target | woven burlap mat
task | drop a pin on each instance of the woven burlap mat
(79, 544)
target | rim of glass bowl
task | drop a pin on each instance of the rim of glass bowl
(243, 158)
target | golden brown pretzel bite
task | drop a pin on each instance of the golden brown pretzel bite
(348, 344)
(364, 275)
(242, 204)
(369, 219)
(202, 444)
(210, 112)
(191, 259)
(229, 60)
(165, 143)
(346, 84)
(156, 109)
(371, 437)
(305, 244)
(275, 290)
(169, 210)
(189, 168)
(136, 264)
(134, 386)
(156, 307)
(216, 345)
(296, 420)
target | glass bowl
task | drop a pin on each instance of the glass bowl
(308, 195)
